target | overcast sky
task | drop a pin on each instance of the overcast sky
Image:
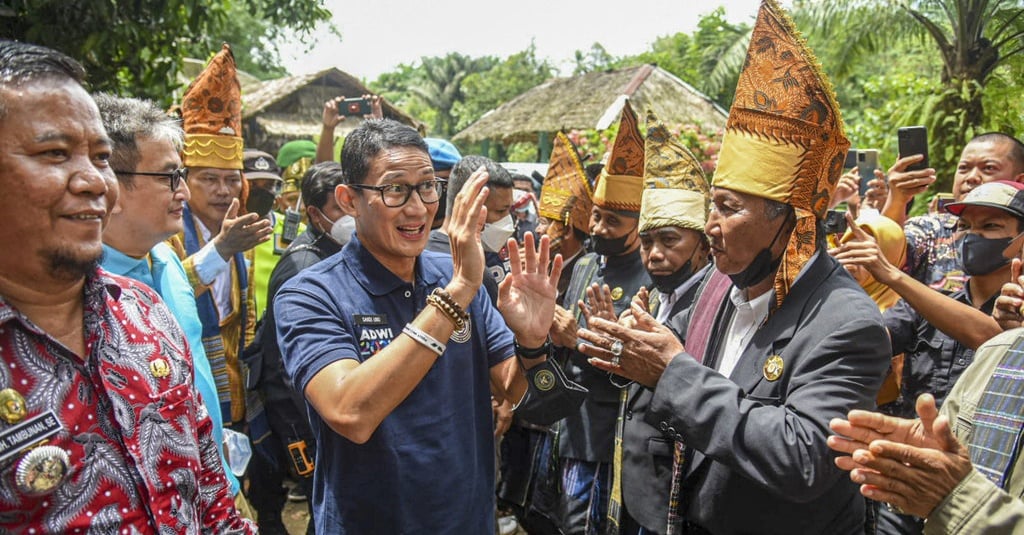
(378, 35)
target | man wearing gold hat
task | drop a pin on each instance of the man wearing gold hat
(216, 246)
(780, 340)
(585, 438)
(566, 200)
(675, 253)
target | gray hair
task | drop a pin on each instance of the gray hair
(129, 120)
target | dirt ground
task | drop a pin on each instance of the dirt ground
(295, 516)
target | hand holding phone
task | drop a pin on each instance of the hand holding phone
(355, 107)
(867, 162)
(913, 140)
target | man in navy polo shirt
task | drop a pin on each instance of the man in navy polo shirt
(398, 351)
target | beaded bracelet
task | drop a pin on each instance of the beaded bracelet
(447, 298)
(423, 338)
(450, 313)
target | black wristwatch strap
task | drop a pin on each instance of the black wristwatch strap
(533, 352)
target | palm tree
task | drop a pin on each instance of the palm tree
(440, 86)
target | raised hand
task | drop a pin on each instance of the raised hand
(467, 218)
(600, 302)
(241, 232)
(912, 464)
(1007, 311)
(330, 117)
(862, 250)
(526, 298)
(646, 349)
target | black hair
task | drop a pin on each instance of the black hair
(22, 63)
(319, 182)
(1016, 147)
(364, 143)
(499, 177)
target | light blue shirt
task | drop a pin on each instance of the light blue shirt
(167, 277)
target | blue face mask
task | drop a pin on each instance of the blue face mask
(980, 255)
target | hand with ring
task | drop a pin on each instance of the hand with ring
(640, 353)
(616, 351)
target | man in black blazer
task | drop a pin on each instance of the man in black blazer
(779, 342)
(675, 254)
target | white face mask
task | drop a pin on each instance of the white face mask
(495, 235)
(342, 229)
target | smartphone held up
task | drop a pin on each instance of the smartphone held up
(913, 140)
(867, 162)
(355, 107)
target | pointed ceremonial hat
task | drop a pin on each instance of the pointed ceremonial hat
(566, 195)
(784, 137)
(620, 186)
(676, 191)
(211, 113)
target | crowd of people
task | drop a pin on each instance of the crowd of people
(413, 340)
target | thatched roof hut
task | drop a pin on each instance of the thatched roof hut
(278, 111)
(581, 102)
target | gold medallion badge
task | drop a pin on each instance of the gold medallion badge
(41, 470)
(617, 293)
(773, 368)
(159, 368)
(544, 380)
(12, 406)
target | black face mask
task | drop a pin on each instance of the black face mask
(611, 246)
(762, 265)
(980, 255)
(260, 201)
(668, 283)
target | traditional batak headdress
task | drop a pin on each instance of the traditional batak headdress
(784, 138)
(212, 116)
(565, 195)
(676, 192)
(620, 186)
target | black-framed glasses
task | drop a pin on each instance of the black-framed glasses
(395, 195)
(174, 178)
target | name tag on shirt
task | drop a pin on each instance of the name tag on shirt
(370, 319)
(31, 431)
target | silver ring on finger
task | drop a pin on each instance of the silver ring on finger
(615, 361)
(616, 348)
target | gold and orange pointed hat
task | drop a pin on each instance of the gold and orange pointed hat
(676, 191)
(784, 138)
(211, 113)
(566, 195)
(621, 183)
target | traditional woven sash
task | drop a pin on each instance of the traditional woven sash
(698, 341)
(996, 439)
(213, 343)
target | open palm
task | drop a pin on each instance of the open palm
(526, 298)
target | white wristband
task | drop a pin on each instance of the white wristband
(423, 338)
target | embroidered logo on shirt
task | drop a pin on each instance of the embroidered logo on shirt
(372, 340)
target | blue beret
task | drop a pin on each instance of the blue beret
(443, 154)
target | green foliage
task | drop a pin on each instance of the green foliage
(438, 81)
(136, 48)
(595, 59)
(486, 90)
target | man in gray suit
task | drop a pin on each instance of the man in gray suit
(781, 340)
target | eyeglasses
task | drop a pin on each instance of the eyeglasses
(395, 195)
(174, 178)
